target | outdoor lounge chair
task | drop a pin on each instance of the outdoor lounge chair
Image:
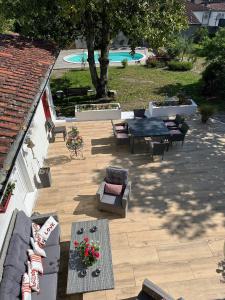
(111, 201)
(120, 131)
(174, 122)
(55, 130)
(151, 291)
(178, 134)
(139, 113)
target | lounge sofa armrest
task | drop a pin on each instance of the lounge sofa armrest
(154, 291)
(126, 195)
(100, 191)
(41, 218)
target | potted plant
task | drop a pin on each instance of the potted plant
(206, 112)
(88, 251)
(74, 141)
(7, 196)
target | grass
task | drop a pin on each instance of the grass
(136, 86)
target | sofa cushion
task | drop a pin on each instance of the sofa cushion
(13, 274)
(9, 286)
(23, 226)
(112, 200)
(113, 189)
(53, 239)
(5, 296)
(48, 288)
(52, 259)
(116, 175)
(17, 253)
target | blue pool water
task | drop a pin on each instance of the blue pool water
(113, 57)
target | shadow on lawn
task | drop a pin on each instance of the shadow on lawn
(186, 191)
(193, 90)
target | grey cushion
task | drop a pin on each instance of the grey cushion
(13, 273)
(54, 237)
(5, 296)
(51, 262)
(17, 253)
(23, 226)
(112, 200)
(9, 286)
(48, 288)
(116, 175)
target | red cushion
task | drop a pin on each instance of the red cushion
(120, 127)
(170, 124)
(175, 131)
(113, 189)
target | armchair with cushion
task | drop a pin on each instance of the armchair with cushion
(114, 192)
(151, 291)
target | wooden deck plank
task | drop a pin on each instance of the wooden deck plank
(174, 232)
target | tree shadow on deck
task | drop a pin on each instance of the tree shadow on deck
(63, 273)
(87, 204)
(58, 160)
(186, 190)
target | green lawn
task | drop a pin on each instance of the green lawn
(135, 85)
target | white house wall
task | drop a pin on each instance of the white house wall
(212, 17)
(25, 171)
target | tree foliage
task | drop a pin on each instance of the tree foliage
(98, 21)
(214, 49)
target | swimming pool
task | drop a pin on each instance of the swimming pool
(113, 57)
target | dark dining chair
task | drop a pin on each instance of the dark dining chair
(139, 113)
(157, 148)
(120, 132)
(178, 134)
(174, 122)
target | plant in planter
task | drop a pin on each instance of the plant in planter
(7, 196)
(206, 111)
(88, 251)
(74, 141)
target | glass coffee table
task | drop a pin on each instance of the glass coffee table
(77, 282)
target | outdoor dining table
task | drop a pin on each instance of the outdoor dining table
(146, 127)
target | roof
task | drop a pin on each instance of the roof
(23, 67)
(196, 7)
(192, 19)
(216, 6)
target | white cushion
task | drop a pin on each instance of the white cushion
(36, 262)
(26, 290)
(37, 249)
(47, 228)
(33, 278)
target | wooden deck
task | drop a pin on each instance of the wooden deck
(175, 229)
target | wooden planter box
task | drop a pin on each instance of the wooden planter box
(166, 111)
(3, 207)
(97, 114)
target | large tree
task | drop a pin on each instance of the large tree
(98, 21)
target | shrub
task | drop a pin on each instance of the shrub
(206, 111)
(214, 79)
(153, 62)
(124, 63)
(180, 65)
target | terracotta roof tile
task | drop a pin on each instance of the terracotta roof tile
(23, 66)
(192, 19)
(216, 6)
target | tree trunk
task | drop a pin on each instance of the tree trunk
(99, 82)
(102, 90)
